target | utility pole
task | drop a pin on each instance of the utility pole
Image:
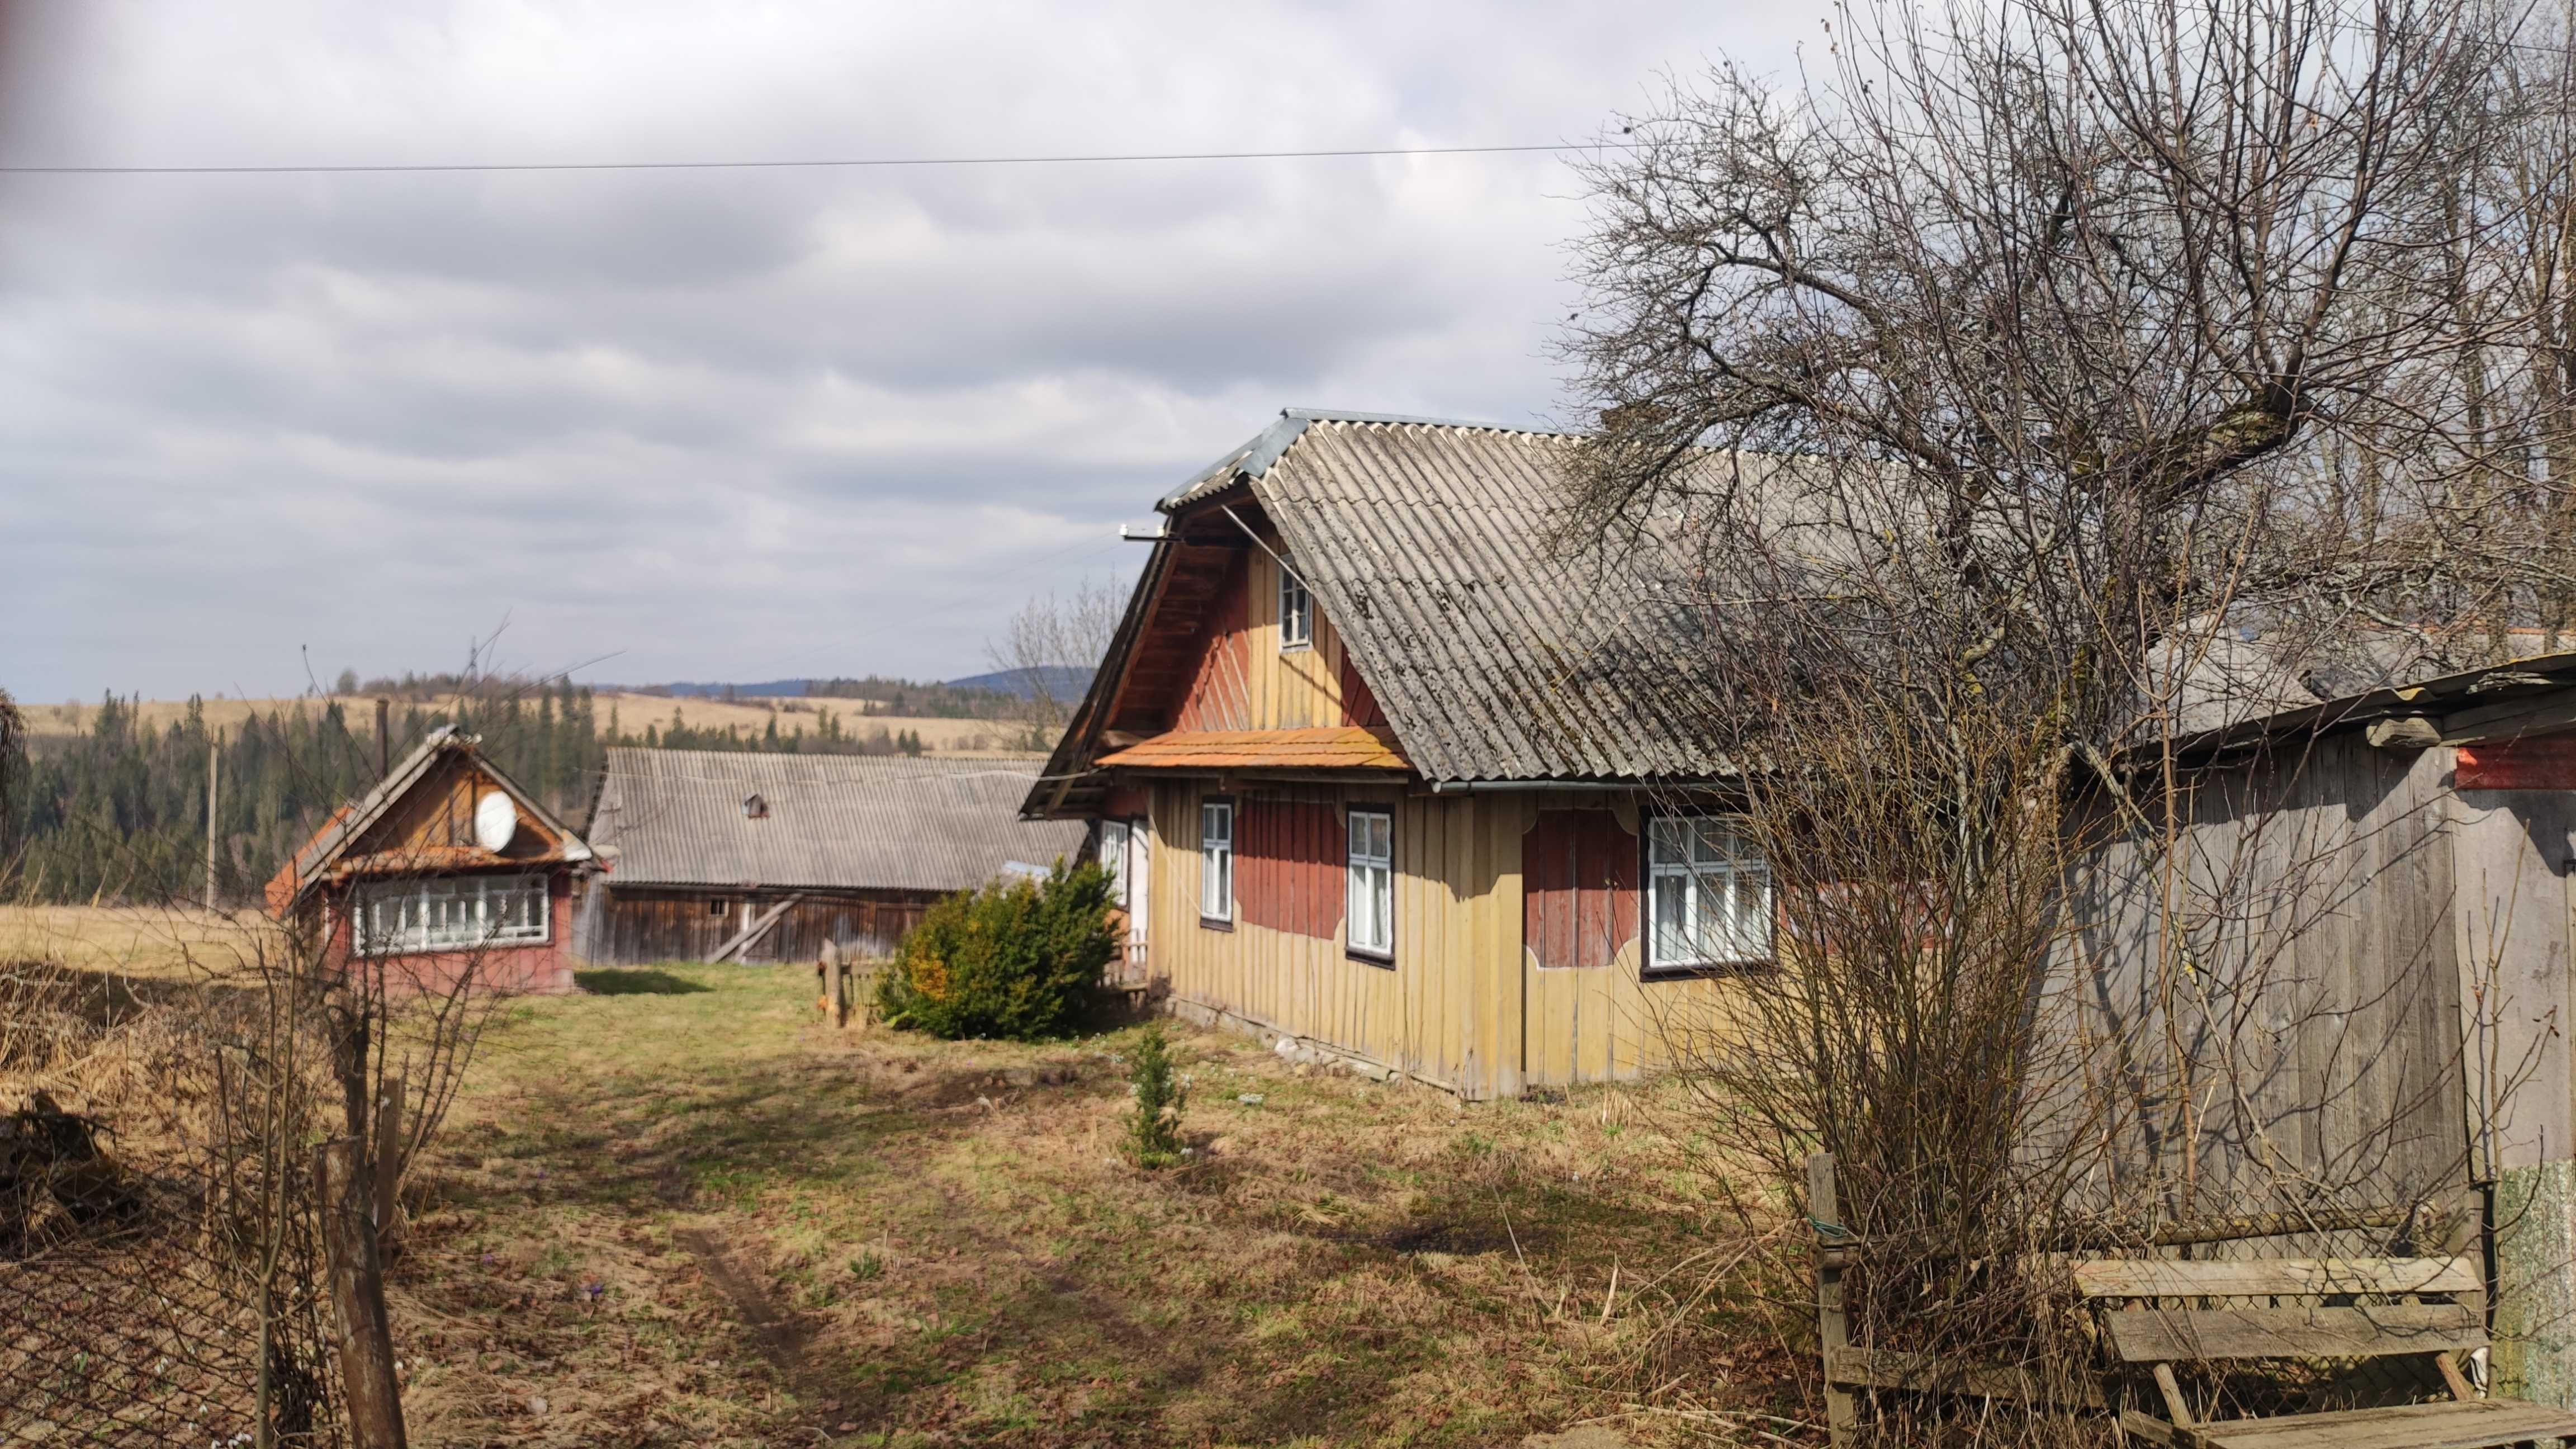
(384, 736)
(214, 759)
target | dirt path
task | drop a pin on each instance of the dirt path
(776, 1332)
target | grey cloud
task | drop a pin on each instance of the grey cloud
(729, 423)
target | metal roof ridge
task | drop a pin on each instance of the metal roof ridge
(1254, 458)
(1338, 415)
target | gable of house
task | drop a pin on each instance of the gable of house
(1445, 611)
(419, 820)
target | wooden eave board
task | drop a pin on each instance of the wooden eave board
(1331, 747)
(2478, 1424)
(2175, 1335)
(2273, 1277)
(1165, 654)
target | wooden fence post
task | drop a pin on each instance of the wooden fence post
(1824, 1215)
(388, 1145)
(358, 1316)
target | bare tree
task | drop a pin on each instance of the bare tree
(2086, 322)
(2031, 385)
(1050, 639)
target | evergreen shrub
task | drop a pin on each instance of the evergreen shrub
(1018, 959)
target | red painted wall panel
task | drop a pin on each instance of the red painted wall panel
(2544, 763)
(1359, 707)
(1289, 860)
(1578, 888)
(1220, 694)
(542, 967)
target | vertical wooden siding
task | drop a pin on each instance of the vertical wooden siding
(640, 927)
(1603, 1023)
(1290, 860)
(1462, 1005)
(1579, 888)
(1245, 681)
(2272, 1008)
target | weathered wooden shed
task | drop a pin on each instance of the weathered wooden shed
(2340, 981)
(713, 855)
(1392, 779)
(446, 867)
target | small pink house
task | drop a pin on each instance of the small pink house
(445, 868)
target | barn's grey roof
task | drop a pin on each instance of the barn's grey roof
(676, 818)
(1496, 654)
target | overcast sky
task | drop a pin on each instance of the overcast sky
(730, 425)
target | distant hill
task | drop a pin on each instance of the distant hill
(1064, 681)
(766, 689)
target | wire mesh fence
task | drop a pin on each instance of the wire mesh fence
(161, 1259)
(143, 1337)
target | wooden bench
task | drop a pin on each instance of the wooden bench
(2159, 1312)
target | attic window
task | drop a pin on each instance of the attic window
(1296, 611)
(754, 807)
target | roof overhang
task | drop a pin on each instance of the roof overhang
(2495, 702)
(1328, 747)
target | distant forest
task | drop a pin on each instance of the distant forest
(118, 813)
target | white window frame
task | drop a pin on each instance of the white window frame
(1216, 861)
(1368, 905)
(1704, 869)
(1297, 609)
(450, 913)
(1113, 859)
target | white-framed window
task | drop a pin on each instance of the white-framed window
(1370, 909)
(450, 913)
(1216, 860)
(1113, 858)
(1296, 611)
(1708, 895)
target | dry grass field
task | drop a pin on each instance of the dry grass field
(162, 943)
(675, 1210)
(632, 712)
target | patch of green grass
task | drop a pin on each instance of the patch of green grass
(636, 981)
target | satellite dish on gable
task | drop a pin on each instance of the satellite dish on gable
(496, 820)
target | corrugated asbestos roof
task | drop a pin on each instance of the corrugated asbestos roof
(1323, 747)
(1495, 655)
(676, 818)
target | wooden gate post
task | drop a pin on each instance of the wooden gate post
(388, 1153)
(358, 1316)
(1833, 1326)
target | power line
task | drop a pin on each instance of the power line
(814, 163)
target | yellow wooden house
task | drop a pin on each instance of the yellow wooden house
(1384, 772)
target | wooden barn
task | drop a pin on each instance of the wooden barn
(2369, 904)
(445, 867)
(719, 856)
(1391, 782)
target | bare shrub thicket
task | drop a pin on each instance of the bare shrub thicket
(2033, 384)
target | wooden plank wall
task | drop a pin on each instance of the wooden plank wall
(1462, 1006)
(2295, 1036)
(438, 810)
(1244, 681)
(2510, 848)
(639, 927)
(1602, 1023)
